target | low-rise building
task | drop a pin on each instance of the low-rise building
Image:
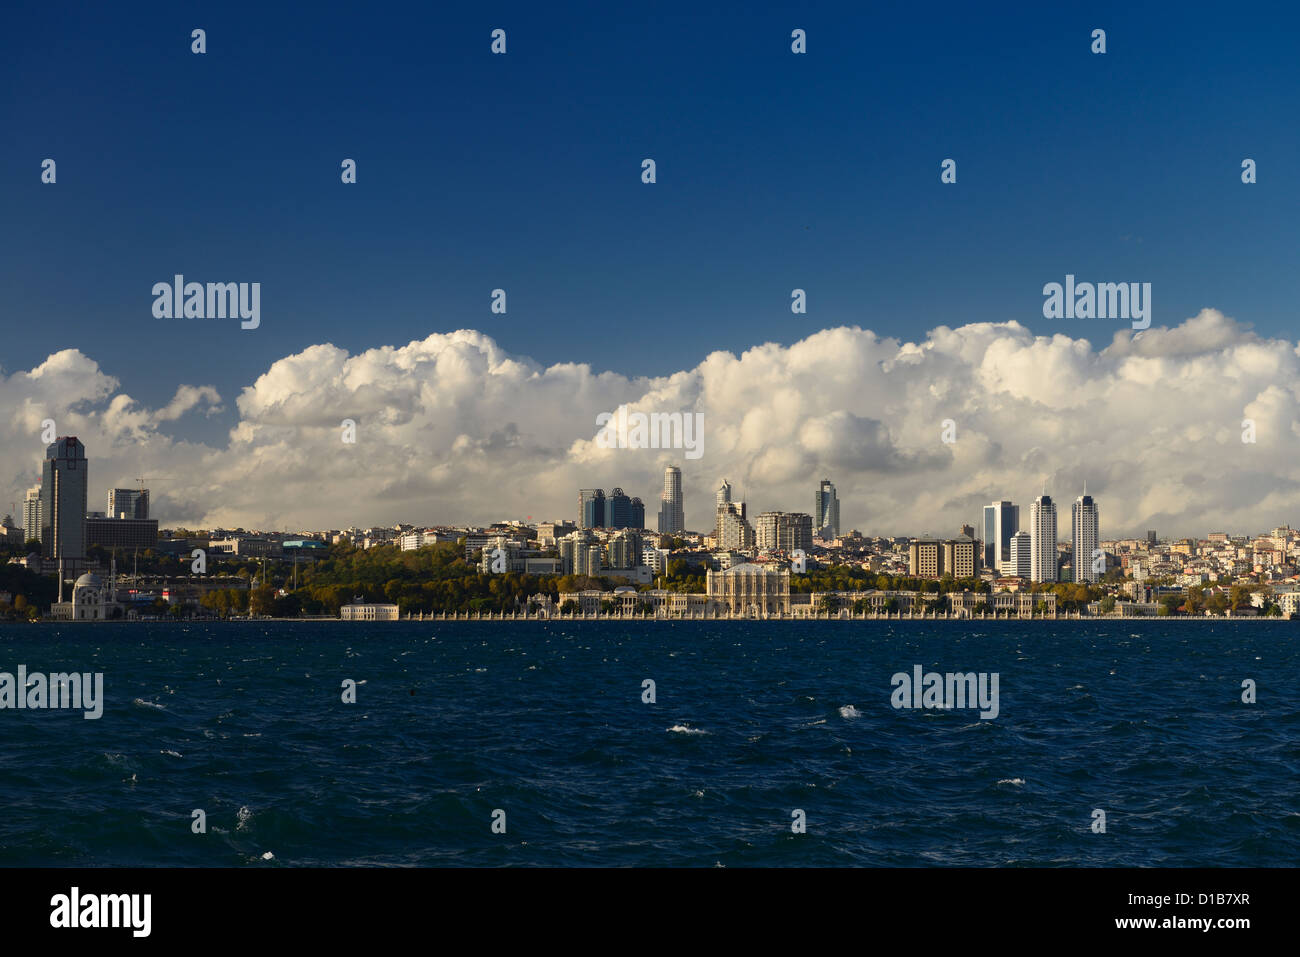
(750, 590)
(368, 612)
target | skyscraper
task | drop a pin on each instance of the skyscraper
(731, 529)
(636, 513)
(783, 531)
(1042, 540)
(63, 504)
(580, 553)
(1019, 562)
(672, 512)
(618, 509)
(32, 514)
(1085, 533)
(1001, 521)
(128, 503)
(826, 512)
(591, 508)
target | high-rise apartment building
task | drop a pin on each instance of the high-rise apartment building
(580, 553)
(1018, 563)
(783, 531)
(672, 510)
(1085, 535)
(623, 549)
(32, 514)
(1042, 540)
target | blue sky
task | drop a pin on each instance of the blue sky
(522, 171)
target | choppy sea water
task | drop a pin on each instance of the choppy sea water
(752, 720)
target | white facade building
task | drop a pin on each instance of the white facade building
(1042, 540)
(1018, 563)
(672, 511)
(363, 612)
(1085, 536)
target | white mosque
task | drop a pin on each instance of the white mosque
(92, 600)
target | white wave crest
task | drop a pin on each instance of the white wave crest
(683, 729)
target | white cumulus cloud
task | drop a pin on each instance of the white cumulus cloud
(453, 429)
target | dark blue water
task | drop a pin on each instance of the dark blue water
(546, 722)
